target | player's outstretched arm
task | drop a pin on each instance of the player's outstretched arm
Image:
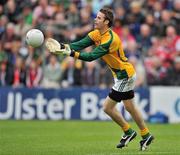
(59, 48)
(81, 44)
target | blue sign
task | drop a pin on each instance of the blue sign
(53, 104)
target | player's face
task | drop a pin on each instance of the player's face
(99, 21)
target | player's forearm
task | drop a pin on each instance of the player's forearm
(95, 54)
(83, 43)
(84, 56)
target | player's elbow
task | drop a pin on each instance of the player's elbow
(90, 59)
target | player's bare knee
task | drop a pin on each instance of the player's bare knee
(128, 108)
(107, 109)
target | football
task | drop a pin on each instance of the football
(34, 38)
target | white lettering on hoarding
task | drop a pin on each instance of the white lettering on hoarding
(30, 108)
(40, 103)
(17, 113)
(39, 107)
(55, 109)
(10, 108)
(68, 104)
(29, 112)
(89, 108)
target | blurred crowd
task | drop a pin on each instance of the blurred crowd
(149, 30)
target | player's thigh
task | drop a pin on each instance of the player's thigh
(109, 103)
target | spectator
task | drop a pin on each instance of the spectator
(34, 74)
(6, 69)
(140, 70)
(154, 25)
(120, 14)
(3, 23)
(157, 9)
(176, 14)
(135, 17)
(11, 44)
(90, 74)
(126, 37)
(3, 73)
(6, 73)
(27, 14)
(166, 20)
(132, 50)
(150, 21)
(117, 27)
(73, 16)
(19, 73)
(72, 73)
(154, 70)
(12, 11)
(173, 74)
(42, 12)
(144, 39)
(106, 79)
(85, 24)
(98, 4)
(52, 68)
(172, 39)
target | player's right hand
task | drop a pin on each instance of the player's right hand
(57, 48)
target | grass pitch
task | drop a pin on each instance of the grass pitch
(81, 138)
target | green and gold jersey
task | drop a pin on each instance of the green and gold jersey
(108, 48)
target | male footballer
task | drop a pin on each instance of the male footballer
(109, 49)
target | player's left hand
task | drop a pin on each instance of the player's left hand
(57, 48)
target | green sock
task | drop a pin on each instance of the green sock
(146, 136)
(129, 131)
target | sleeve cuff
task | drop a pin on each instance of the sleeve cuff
(75, 54)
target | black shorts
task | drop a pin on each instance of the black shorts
(118, 96)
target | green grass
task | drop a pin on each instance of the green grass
(81, 138)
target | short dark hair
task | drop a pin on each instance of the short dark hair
(108, 15)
